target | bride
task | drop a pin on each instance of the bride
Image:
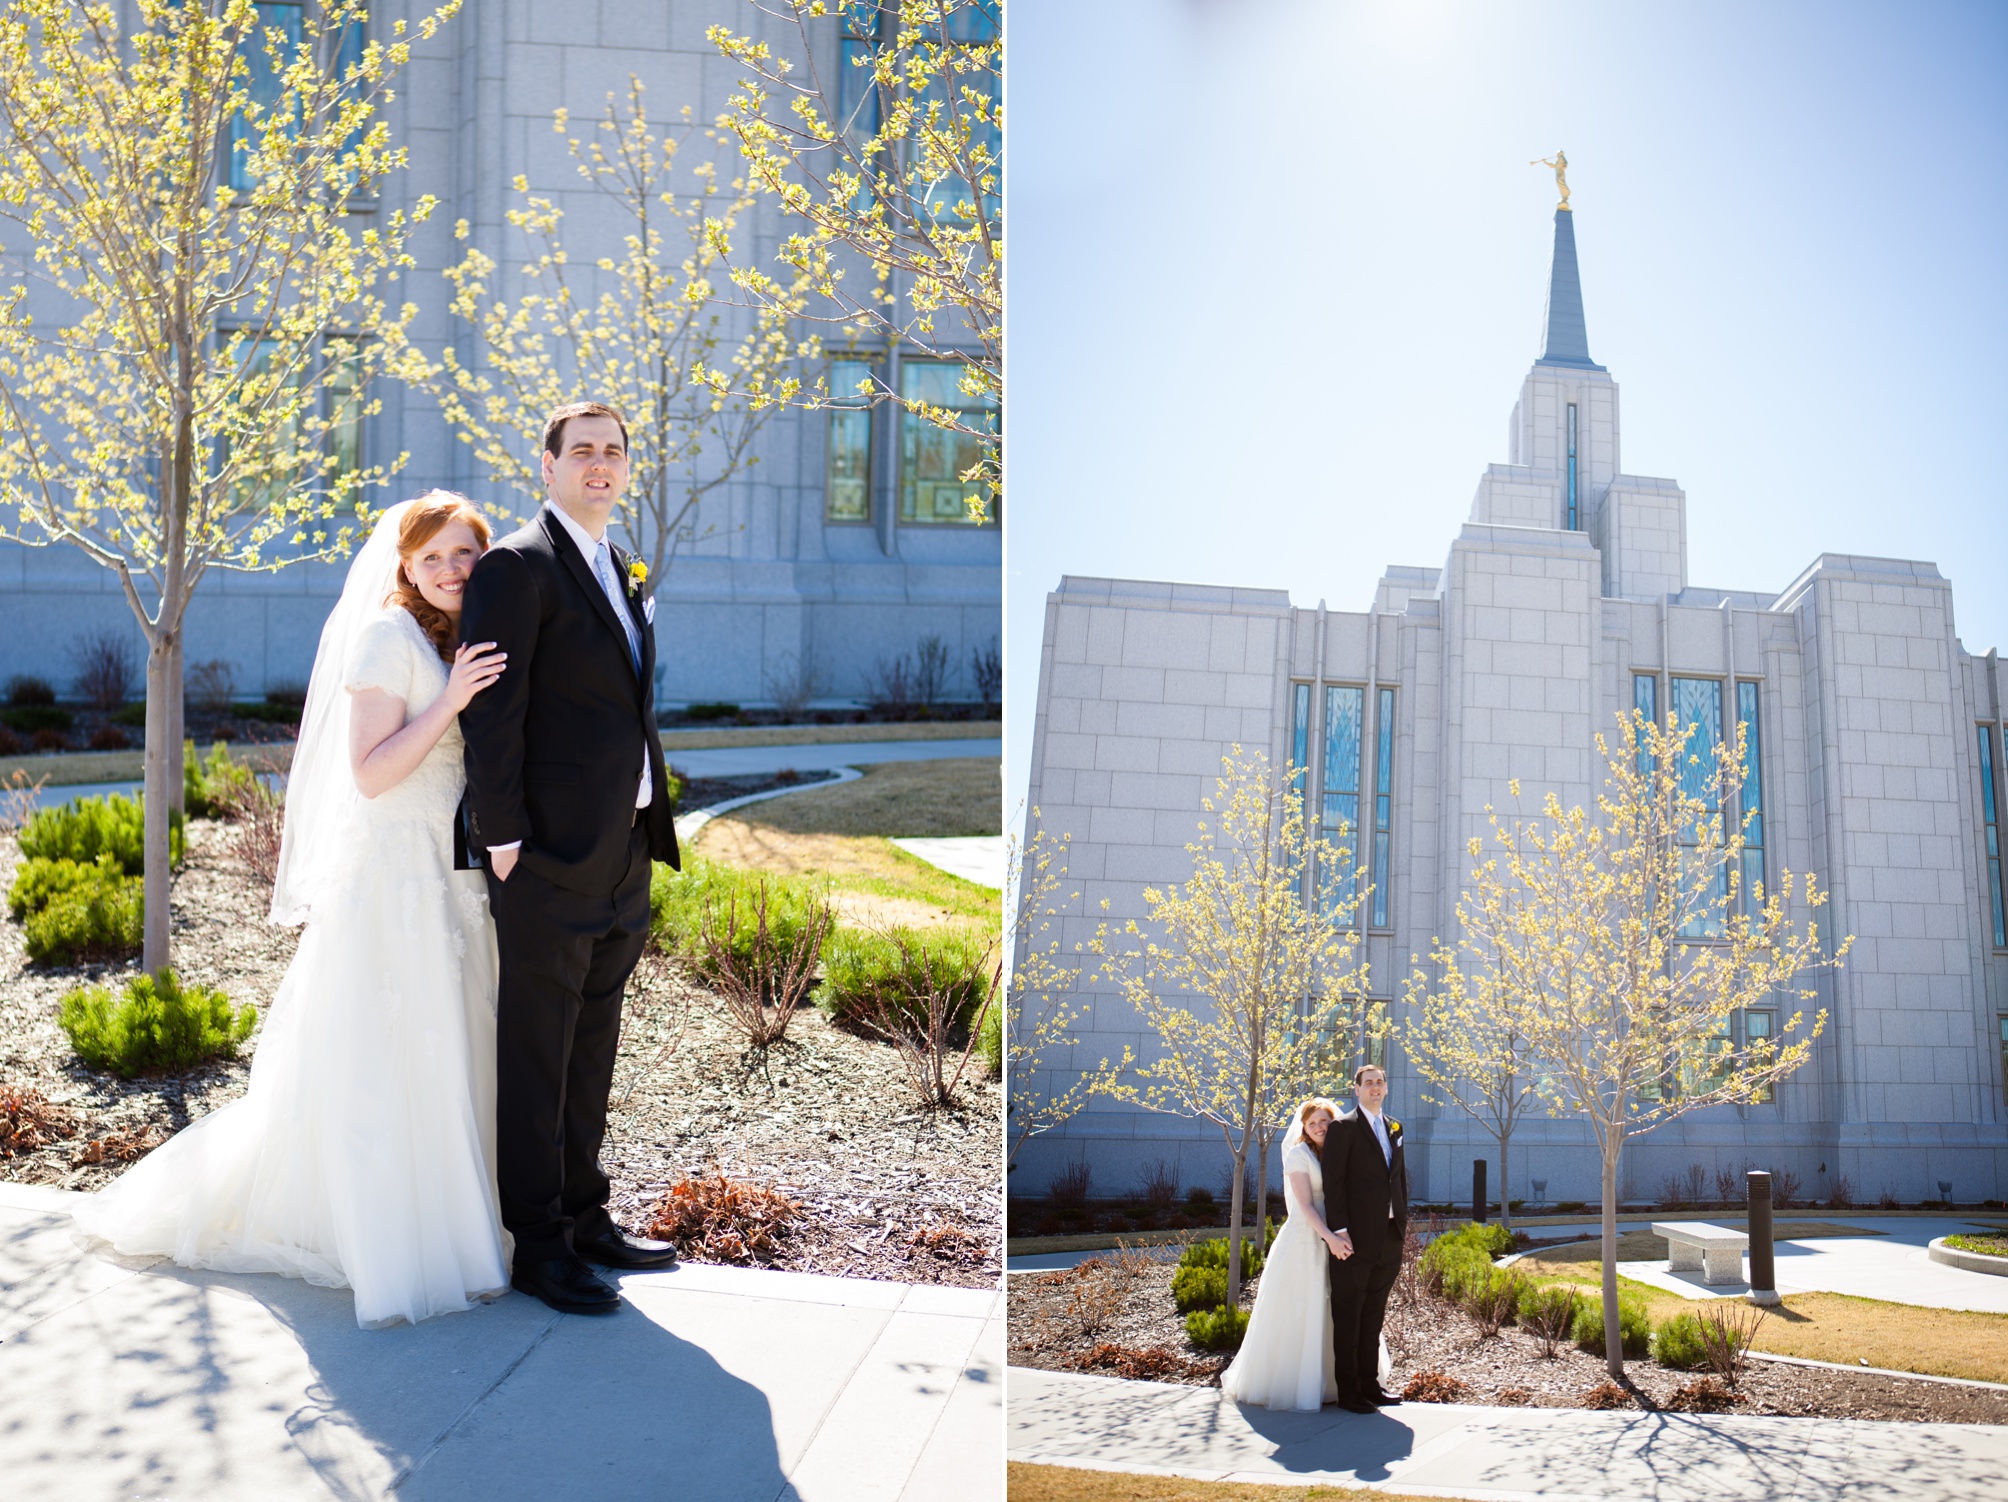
(362, 1154)
(1286, 1356)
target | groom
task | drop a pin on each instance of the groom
(1366, 1202)
(564, 786)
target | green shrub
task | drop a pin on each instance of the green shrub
(29, 718)
(270, 711)
(89, 827)
(1217, 1329)
(132, 716)
(39, 880)
(1199, 1288)
(715, 711)
(677, 902)
(1212, 1252)
(154, 1025)
(1493, 1241)
(98, 915)
(866, 972)
(1677, 1343)
(1634, 1325)
(1549, 1309)
(210, 784)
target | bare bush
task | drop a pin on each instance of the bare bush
(18, 797)
(1551, 1317)
(920, 1018)
(257, 814)
(892, 682)
(655, 1010)
(1887, 1199)
(794, 681)
(1726, 1333)
(986, 671)
(930, 670)
(1682, 1191)
(211, 686)
(1784, 1187)
(761, 985)
(106, 669)
(1157, 1185)
(1493, 1302)
(1731, 1185)
(715, 1219)
(1842, 1195)
(1069, 1187)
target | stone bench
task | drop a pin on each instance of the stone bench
(1716, 1252)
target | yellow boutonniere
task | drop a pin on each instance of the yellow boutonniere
(637, 573)
(1393, 1125)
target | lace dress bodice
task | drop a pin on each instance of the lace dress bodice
(1300, 1158)
(392, 653)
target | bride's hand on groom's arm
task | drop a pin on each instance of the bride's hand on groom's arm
(475, 666)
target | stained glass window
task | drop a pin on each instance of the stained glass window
(1383, 801)
(1697, 703)
(1991, 819)
(1300, 733)
(1752, 811)
(1645, 699)
(933, 459)
(1572, 467)
(847, 491)
(1345, 711)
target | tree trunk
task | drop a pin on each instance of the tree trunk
(177, 798)
(1614, 1351)
(1234, 1208)
(1505, 1182)
(1262, 1190)
(154, 956)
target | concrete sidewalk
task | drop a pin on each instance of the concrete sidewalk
(1556, 1454)
(155, 1382)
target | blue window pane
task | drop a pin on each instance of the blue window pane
(1698, 702)
(1987, 773)
(1645, 699)
(1990, 817)
(1572, 468)
(264, 84)
(1344, 709)
(1383, 801)
(1300, 734)
(1380, 878)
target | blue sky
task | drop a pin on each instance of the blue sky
(1277, 270)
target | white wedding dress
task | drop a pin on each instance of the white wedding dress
(1285, 1359)
(362, 1155)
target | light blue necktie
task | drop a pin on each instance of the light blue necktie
(603, 570)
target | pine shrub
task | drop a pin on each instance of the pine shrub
(153, 1025)
(210, 785)
(88, 912)
(38, 880)
(87, 828)
(1199, 1288)
(1634, 1325)
(1212, 1252)
(1217, 1329)
(1677, 1343)
(866, 974)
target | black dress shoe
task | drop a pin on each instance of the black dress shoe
(618, 1249)
(566, 1284)
(1357, 1405)
(1380, 1397)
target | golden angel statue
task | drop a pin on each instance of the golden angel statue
(1561, 165)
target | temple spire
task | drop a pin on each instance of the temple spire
(1568, 342)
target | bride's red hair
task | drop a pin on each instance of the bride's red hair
(421, 523)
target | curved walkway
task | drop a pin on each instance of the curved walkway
(1497, 1454)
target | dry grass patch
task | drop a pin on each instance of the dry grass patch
(1053, 1483)
(896, 799)
(1837, 1327)
(877, 884)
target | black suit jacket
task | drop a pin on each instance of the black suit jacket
(554, 745)
(1360, 1183)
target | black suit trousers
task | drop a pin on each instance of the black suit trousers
(1360, 1285)
(566, 958)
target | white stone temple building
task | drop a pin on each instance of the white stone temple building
(847, 540)
(1563, 602)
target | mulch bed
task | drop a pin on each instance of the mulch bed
(885, 1189)
(1089, 1318)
